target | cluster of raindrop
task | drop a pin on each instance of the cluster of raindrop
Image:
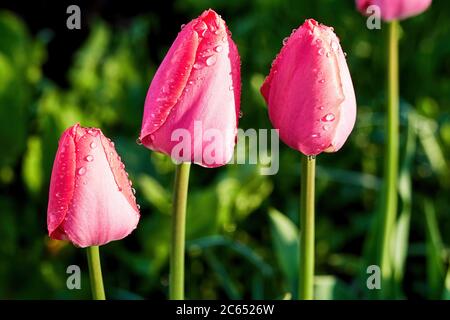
(115, 160)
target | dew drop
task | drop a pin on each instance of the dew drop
(285, 40)
(138, 142)
(92, 132)
(321, 108)
(241, 114)
(89, 158)
(322, 81)
(182, 26)
(315, 135)
(201, 28)
(133, 190)
(326, 127)
(81, 171)
(211, 60)
(190, 82)
(321, 51)
(334, 45)
(319, 42)
(138, 206)
(231, 88)
(328, 117)
(93, 145)
(197, 66)
(218, 49)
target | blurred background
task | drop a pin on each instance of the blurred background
(241, 232)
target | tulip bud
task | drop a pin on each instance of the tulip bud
(91, 201)
(196, 89)
(309, 91)
(394, 9)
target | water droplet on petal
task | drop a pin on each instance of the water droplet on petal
(241, 114)
(315, 135)
(321, 108)
(231, 88)
(326, 127)
(197, 66)
(138, 206)
(218, 49)
(81, 171)
(138, 142)
(211, 60)
(328, 117)
(285, 40)
(93, 145)
(133, 190)
(201, 28)
(89, 158)
(334, 45)
(92, 132)
(321, 51)
(182, 26)
(322, 81)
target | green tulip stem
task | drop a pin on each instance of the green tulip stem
(389, 210)
(306, 267)
(180, 193)
(95, 273)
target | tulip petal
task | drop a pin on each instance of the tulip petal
(394, 9)
(61, 184)
(209, 101)
(169, 81)
(99, 212)
(307, 88)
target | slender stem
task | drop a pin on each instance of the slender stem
(95, 273)
(306, 270)
(389, 211)
(176, 286)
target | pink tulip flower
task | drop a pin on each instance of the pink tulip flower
(196, 89)
(91, 201)
(309, 91)
(395, 9)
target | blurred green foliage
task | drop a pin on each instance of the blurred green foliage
(241, 229)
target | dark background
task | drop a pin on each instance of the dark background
(241, 225)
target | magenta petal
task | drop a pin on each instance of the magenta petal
(90, 178)
(395, 9)
(210, 99)
(61, 183)
(309, 91)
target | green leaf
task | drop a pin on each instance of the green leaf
(223, 276)
(401, 232)
(154, 193)
(434, 253)
(285, 240)
(32, 165)
(327, 287)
